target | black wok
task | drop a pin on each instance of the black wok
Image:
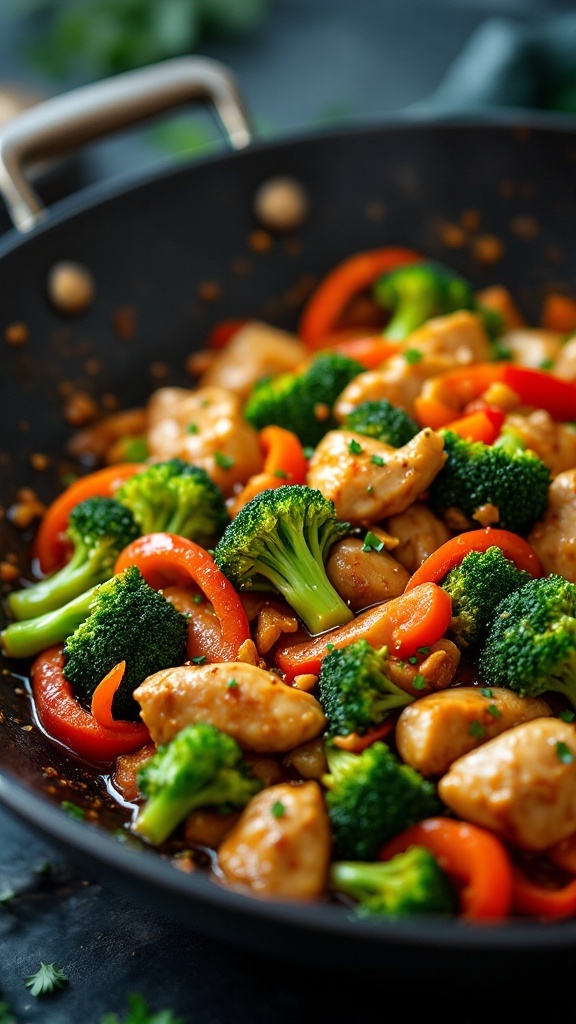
(151, 244)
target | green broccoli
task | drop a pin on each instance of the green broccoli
(371, 797)
(302, 401)
(380, 419)
(280, 541)
(175, 496)
(98, 528)
(412, 882)
(200, 767)
(476, 587)
(511, 479)
(355, 693)
(416, 292)
(531, 644)
(123, 619)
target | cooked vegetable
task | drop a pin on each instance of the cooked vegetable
(410, 883)
(98, 529)
(509, 484)
(302, 401)
(453, 551)
(355, 692)
(175, 496)
(380, 419)
(279, 542)
(200, 767)
(371, 797)
(414, 293)
(531, 644)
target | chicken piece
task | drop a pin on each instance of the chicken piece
(364, 577)
(554, 536)
(255, 350)
(399, 381)
(531, 346)
(565, 365)
(518, 785)
(437, 729)
(435, 672)
(419, 533)
(282, 844)
(309, 760)
(364, 490)
(442, 343)
(554, 443)
(205, 427)
(261, 712)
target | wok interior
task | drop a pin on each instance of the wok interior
(153, 246)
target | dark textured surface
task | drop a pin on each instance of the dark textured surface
(314, 60)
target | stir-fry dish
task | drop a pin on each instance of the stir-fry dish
(315, 616)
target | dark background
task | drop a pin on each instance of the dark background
(303, 65)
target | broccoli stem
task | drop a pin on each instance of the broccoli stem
(27, 638)
(313, 597)
(164, 811)
(75, 578)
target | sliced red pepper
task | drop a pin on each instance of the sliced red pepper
(50, 547)
(165, 558)
(528, 897)
(542, 390)
(371, 351)
(481, 425)
(453, 551)
(337, 289)
(475, 859)
(403, 624)
(68, 723)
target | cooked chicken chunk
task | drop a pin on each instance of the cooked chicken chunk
(565, 365)
(531, 346)
(281, 845)
(435, 730)
(255, 350)
(249, 703)
(419, 531)
(553, 442)
(435, 672)
(206, 427)
(518, 784)
(347, 468)
(554, 537)
(442, 343)
(364, 577)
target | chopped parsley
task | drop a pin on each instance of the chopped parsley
(232, 684)
(192, 428)
(477, 730)
(419, 682)
(47, 979)
(278, 809)
(199, 659)
(422, 650)
(567, 715)
(563, 753)
(413, 355)
(282, 474)
(354, 447)
(223, 461)
(494, 711)
(372, 543)
(377, 460)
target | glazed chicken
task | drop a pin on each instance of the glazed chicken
(249, 703)
(554, 537)
(254, 351)
(518, 785)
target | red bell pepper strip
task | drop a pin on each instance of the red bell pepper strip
(68, 723)
(350, 278)
(448, 555)
(542, 390)
(482, 425)
(371, 350)
(50, 547)
(285, 463)
(404, 624)
(101, 703)
(528, 897)
(475, 859)
(165, 558)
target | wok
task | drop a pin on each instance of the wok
(151, 243)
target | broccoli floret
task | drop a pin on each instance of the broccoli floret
(531, 644)
(371, 797)
(200, 767)
(476, 587)
(98, 529)
(419, 291)
(412, 882)
(122, 619)
(355, 693)
(380, 419)
(302, 401)
(175, 496)
(510, 478)
(280, 541)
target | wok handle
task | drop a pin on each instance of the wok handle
(89, 112)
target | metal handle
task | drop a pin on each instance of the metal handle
(66, 122)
